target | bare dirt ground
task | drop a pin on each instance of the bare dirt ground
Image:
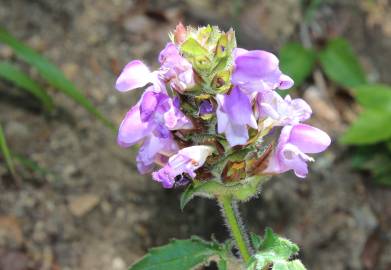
(95, 212)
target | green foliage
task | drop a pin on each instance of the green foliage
(374, 96)
(274, 251)
(371, 127)
(280, 246)
(51, 74)
(195, 252)
(372, 131)
(20, 79)
(341, 64)
(373, 124)
(6, 153)
(297, 61)
(337, 59)
(179, 255)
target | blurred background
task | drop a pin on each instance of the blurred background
(70, 198)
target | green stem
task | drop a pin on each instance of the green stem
(233, 224)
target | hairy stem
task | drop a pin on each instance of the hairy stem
(234, 225)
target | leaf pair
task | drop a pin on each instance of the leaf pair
(341, 65)
(373, 124)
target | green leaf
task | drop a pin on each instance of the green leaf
(178, 255)
(20, 79)
(51, 74)
(273, 250)
(297, 61)
(341, 64)
(372, 126)
(240, 191)
(374, 96)
(5, 151)
(279, 245)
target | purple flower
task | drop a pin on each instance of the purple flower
(155, 150)
(151, 121)
(175, 69)
(257, 71)
(293, 145)
(186, 161)
(283, 112)
(174, 119)
(132, 129)
(234, 113)
(169, 54)
(134, 75)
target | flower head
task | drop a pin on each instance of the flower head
(211, 109)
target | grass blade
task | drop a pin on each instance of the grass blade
(6, 153)
(33, 166)
(22, 80)
(51, 73)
